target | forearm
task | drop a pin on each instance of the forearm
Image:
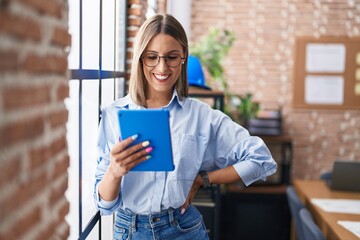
(223, 176)
(109, 187)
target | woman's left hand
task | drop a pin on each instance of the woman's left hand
(194, 188)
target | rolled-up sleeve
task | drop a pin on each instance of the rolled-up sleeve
(105, 207)
(234, 146)
(103, 162)
(255, 162)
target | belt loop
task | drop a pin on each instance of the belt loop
(171, 217)
(133, 222)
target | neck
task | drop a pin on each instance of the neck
(158, 100)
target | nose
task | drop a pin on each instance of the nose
(162, 64)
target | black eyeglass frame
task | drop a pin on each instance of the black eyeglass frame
(165, 57)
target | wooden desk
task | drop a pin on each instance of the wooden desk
(327, 221)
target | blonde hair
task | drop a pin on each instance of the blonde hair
(154, 25)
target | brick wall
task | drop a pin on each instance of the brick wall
(136, 16)
(261, 62)
(34, 44)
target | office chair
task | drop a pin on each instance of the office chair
(310, 228)
(295, 205)
(326, 175)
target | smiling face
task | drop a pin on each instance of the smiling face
(162, 78)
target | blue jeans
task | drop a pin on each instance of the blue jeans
(168, 224)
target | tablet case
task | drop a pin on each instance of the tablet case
(151, 125)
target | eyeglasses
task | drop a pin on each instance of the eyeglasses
(172, 60)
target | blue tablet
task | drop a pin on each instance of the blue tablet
(151, 125)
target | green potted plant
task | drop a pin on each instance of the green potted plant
(211, 50)
(244, 108)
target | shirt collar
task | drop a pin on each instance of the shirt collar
(127, 102)
(175, 99)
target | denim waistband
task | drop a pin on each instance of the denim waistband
(149, 221)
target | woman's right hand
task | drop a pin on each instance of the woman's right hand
(124, 158)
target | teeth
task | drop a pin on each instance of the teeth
(161, 77)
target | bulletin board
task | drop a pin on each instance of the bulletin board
(327, 73)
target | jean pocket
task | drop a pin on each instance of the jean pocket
(189, 227)
(121, 233)
(190, 221)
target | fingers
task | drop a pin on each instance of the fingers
(132, 164)
(135, 158)
(132, 153)
(121, 145)
(191, 196)
(135, 150)
(124, 157)
(121, 167)
(183, 208)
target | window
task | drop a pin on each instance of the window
(97, 64)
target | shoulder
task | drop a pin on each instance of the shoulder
(202, 109)
(196, 103)
(200, 106)
(115, 106)
(123, 102)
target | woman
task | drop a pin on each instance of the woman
(208, 147)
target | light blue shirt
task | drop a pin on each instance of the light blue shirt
(202, 139)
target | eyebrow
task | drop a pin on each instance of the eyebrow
(172, 51)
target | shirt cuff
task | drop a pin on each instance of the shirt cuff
(103, 203)
(107, 204)
(246, 172)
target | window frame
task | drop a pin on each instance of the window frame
(101, 75)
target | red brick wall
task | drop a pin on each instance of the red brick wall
(261, 62)
(34, 44)
(136, 16)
